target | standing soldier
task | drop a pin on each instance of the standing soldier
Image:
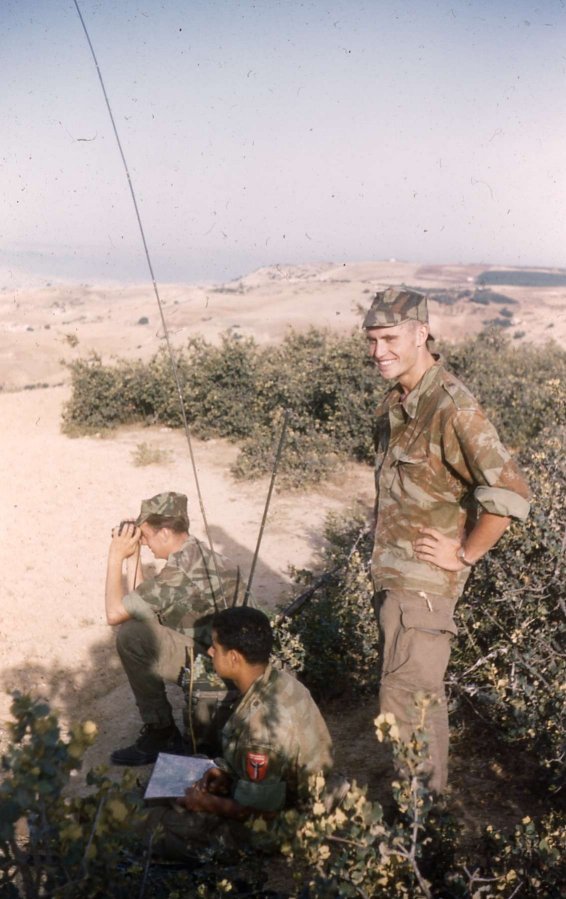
(162, 618)
(446, 491)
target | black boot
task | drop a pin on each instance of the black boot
(151, 741)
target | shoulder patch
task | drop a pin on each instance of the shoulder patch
(257, 765)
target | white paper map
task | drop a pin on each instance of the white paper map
(172, 775)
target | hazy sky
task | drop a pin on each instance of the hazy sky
(279, 131)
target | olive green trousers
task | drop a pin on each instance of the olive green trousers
(416, 633)
(152, 655)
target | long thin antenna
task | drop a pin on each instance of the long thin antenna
(267, 502)
(159, 304)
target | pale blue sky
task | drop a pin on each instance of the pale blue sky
(277, 132)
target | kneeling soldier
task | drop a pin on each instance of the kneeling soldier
(274, 741)
(165, 617)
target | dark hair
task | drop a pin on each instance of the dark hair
(246, 630)
(177, 523)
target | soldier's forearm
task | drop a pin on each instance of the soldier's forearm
(115, 610)
(483, 537)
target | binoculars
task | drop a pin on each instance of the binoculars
(123, 524)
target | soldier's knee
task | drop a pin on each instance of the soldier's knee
(133, 636)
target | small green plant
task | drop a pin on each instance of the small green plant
(56, 847)
(145, 454)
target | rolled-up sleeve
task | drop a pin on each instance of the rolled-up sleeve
(499, 501)
(136, 607)
(473, 449)
(157, 595)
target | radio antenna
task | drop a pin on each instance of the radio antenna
(174, 366)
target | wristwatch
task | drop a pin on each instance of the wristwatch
(461, 555)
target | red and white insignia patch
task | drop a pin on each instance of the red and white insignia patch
(256, 765)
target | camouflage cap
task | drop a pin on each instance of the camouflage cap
(395, 305)
(170, 505)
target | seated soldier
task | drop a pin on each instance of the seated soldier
(274, 740)
(165, 617)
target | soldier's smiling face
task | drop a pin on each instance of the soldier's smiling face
(396, 350)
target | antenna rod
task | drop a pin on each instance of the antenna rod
(267, 502)
(160, 306)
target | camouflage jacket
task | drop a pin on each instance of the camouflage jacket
(438, 462)
(186, 592)
(273, 741)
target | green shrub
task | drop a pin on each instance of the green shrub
(220, 387)
(71, 844)
(333, 641)
(352, 851)
(240, 392)
(523, 390)
(145, 454)
(509, 662)
(105, 397)
(87, 846)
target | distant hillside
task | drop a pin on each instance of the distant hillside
(523, 278)
(39, 327)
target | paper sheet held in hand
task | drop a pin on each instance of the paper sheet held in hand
(172, 775)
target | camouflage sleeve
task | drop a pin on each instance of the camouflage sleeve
(266, 797)
(472, 448)
(260, 781)
(157, 595)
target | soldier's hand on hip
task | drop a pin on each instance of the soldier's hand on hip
(434, 547)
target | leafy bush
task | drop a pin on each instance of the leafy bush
(352, 851)
(509, 661)
(240, 391)
(333, 642)
(88, 847)
(523, 390)
(71, 844)
(104, 397)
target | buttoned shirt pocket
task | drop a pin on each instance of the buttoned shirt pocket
(412, 471)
